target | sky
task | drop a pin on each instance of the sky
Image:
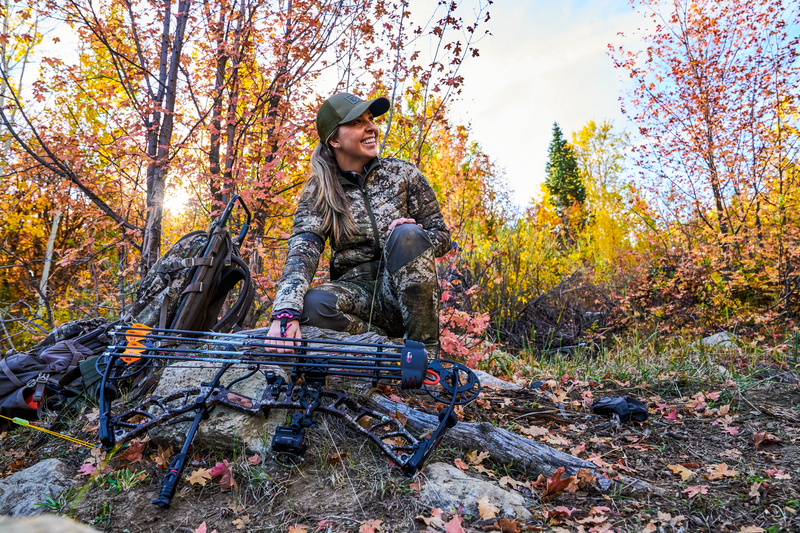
(546, 61)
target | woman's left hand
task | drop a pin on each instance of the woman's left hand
(398, 221)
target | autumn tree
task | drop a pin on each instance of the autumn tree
(715, 94)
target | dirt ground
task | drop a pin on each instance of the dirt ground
(722, 457)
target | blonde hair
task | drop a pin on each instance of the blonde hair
(329, 197)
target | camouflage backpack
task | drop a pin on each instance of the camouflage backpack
(189, 285)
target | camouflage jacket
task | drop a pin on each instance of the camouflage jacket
(392, 189)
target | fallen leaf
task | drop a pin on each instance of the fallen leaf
(733, 453)
(557, 515)
(223, 471)
(241, 522)
(672, 415)
(486, 509)
(508, 526)
(298, 528)
(724, 410)
(199, 477)
(713, 396)
(254, 460)
(682, 471)
(202, 528)
(598, 461)
(752, 529)
(732, 430)
(86, 469)
(557, 441)
(370, 526)
(720, 471)
(650, 528)
(755, 489)
(482, 470)
(337, 458)
(586, 477)
(534, 431)
(778, 474)
(694, 490)
(508, 481)
(162, 457)
(765, 438)
(461, 465)
(475, 458)
(454, 525)
(577, 450)
(556, 485)
(400, 417)
(434, 520)
(133, 453)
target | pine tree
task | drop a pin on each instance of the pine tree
(563, 177)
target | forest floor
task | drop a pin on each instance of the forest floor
(721, 451)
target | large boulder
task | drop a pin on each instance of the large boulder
(447, 487)
(225, 428)
(43, 524)
(21, 492)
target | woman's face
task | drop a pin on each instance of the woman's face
(356, 143)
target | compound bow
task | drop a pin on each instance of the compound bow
(137, 349)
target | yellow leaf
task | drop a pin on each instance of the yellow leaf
(475, 458)
(486, 509)
(534, 431)
(241, 522)
(199, 477)
(370, 526)
(682, 471)
(721, 471)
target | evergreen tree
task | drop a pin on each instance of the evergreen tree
(563, 177)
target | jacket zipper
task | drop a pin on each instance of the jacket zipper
(376, 247)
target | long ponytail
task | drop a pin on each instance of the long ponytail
(330, 199)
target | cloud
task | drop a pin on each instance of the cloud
(545, 62)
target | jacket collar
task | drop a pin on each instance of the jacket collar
(354, 178)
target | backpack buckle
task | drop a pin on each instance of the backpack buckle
(43, 378)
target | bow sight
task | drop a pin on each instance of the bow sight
(311, 362)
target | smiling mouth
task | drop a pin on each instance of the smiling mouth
(369, 141)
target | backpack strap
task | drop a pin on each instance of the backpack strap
(11, 376)
(76, 355)
(236, 272)
(189, 262)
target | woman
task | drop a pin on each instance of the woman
(385, 229)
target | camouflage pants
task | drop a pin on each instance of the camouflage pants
(404, 300)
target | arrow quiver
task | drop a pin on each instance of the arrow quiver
(304, 394)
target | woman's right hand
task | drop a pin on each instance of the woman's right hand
(292, 332)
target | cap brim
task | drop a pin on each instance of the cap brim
(378, 106)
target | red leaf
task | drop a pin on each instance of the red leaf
(134, 452)
(454, 525)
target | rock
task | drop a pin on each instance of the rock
(225, 428)
(719, 340)
(20, 492)
(43, 524)
(447, 487)
(488, 380)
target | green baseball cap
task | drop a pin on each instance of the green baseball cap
(344, 107)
